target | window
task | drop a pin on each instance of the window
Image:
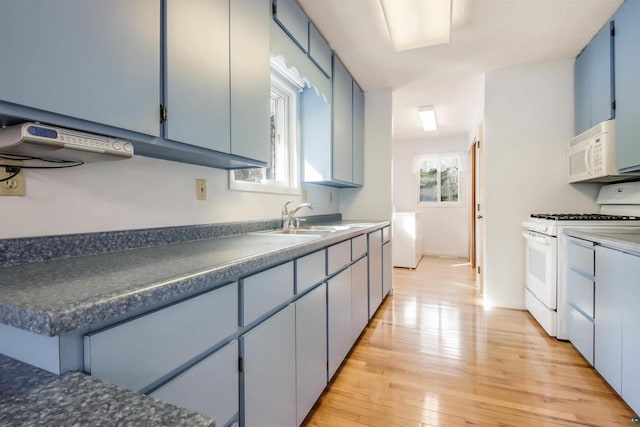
(439, 179)
(282, 174)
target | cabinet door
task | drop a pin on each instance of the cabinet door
(96, 61)
(315, 135)
(319, 50)
(387, 269)
(375, 271)
(210, 387)
(269, 372)
(601, 76)
(358, 135)
(359, 298)
(311, 349)
(581, 89)
(611, 273)
(197, 73)
(250, 78)
(339, 320)
(342, 123)
(630, 330)
(593, 81)
(627, 78)
(294, 21)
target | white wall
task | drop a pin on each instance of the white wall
(445, 230)
(528, 117)
(137, 193)
(373, 201)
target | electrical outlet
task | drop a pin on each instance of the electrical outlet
(303, 195)
(331, 197)
(14, 186)
(201, 189)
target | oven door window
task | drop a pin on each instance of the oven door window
(541, 252)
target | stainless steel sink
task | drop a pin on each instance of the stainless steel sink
(300, 231)
(314, 230)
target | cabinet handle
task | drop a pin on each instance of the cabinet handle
(163, 113)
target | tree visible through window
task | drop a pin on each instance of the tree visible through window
(439, 179)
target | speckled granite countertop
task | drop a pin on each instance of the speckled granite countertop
(58, 296)
(32, 397)
(619, 239)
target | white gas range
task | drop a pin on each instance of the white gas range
(546, 248)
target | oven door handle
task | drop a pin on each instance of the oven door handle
(541, 240)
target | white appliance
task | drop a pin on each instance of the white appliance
(407, 239)
(591, 156)
(546, 251)
(35, 140)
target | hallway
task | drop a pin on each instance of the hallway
(433, 356)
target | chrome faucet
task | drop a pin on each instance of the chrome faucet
(285, 211)
(286, 224)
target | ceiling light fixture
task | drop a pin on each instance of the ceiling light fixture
(428, 118)
(417, 23)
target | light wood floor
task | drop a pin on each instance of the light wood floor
(433, 356)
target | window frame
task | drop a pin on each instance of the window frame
(438, 203)
(284, 82)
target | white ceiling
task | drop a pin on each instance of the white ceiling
(486, 35)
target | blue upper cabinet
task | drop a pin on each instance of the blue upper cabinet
(90, 60)
(358, 135)
(593, 74)
(627, 79)
(180, 83)
(197, 73)
(293, 20)
(342, 123)
(332, 135)
(250, 78)
(319, 50)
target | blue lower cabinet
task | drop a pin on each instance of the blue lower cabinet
(339, 319)
(311, 350)
(210, 387)
(269, 372)
(617, 322)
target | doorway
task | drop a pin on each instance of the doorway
(476, 217)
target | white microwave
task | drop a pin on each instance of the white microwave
(591, 156)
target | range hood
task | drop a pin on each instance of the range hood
(34, 140)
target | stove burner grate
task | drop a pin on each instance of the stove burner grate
(585, 217)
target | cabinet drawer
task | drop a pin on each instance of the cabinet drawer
(210, 387)
(338, 256)
(580, 292)
(580, 331)
(386, 234)
(264, 291)
(358, 247)
(581, 256)
(136, 353)
(310, 269)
